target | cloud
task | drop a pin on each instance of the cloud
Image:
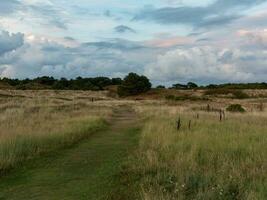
(28, 11)
(49, 13)
(119, 44)
(124, 29)
(256, 39)
(166, 42)
(109, 58)
(218, 13)
(9, 42)
(165, 59)
(208, 65)
(8, 6)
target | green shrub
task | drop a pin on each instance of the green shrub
(133, 84)
(160, 87)
(235, 108)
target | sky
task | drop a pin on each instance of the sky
(169, 41)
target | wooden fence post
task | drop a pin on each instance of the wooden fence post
(189, 125)
(179, 124)
(221, 114)
(208, 107)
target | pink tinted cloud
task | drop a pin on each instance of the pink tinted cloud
(169, 42)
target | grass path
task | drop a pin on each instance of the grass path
(85, 171)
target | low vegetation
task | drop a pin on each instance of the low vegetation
(210, 159)
(235, 108)
(237, 94)
(33, 126)
(185, 97)
(193, 145)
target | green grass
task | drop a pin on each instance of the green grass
(17, 149)
(85, 171)
(214, 160)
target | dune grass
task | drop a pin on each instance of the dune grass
(212, 160)
(33, 126)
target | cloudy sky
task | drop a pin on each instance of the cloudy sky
(206, 41)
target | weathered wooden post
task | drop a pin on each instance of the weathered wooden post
(189, 125)
(208, 107)
(179, 124)
(261, 107)
(221, 115)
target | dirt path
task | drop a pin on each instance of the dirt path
(85, 171)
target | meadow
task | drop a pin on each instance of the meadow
(205, 159)
(185, 149)
(36, 122)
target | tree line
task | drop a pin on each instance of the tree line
(132, 84)
(239, 86)
(46, 82)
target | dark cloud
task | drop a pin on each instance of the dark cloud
(124, 29)
(9, 6)
(9, 42)
(69, 38)
(107, 13)
(119, 44)
(218, 13)
(203, 40)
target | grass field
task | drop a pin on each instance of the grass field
(32, 124)
(212, 160)
(84, 139)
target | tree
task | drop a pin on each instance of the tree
(191, 85)
(116, 81)
(61, 84)
(160, 87)
(179, 86)
(134, 84)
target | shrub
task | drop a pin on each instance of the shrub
(235, 108)
(240, 95)
(160, 87)
(134, 84)
(189, 85)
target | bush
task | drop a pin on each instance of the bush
(240, 95)
(235, 108)
(160, 87)
(134, 84)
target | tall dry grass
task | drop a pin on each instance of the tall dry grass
(212, 160)
(32, 123)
